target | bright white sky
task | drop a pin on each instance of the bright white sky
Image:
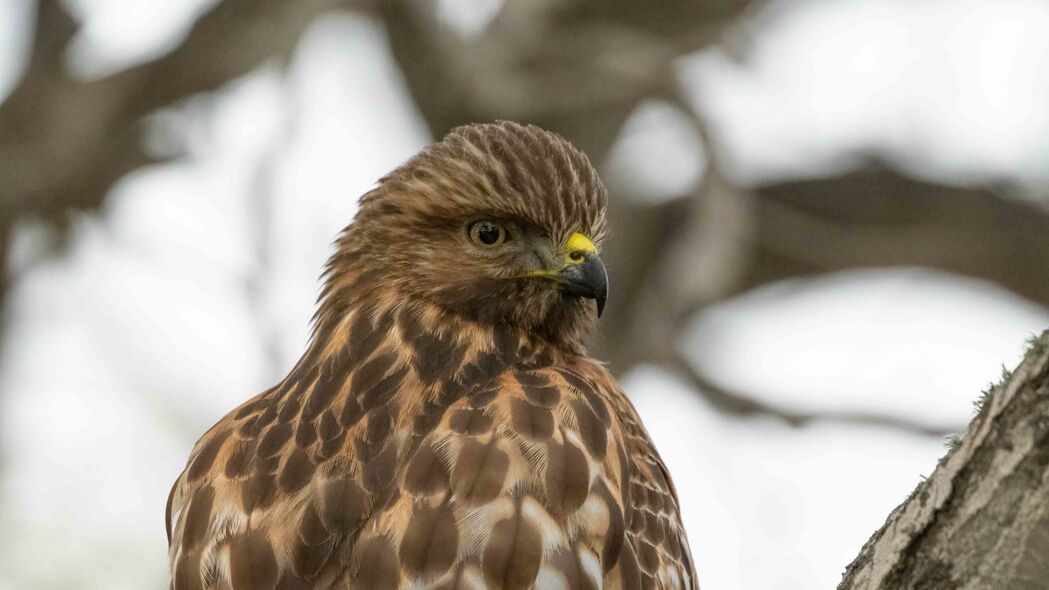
(120, 354)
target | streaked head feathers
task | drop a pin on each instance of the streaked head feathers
(411, 236)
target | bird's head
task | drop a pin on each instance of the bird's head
(499, 223)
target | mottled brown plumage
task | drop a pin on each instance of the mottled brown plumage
(444, 428)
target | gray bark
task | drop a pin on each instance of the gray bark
(981, 520)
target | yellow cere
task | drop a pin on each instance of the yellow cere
(577, 248)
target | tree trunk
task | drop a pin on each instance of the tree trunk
(982, 519)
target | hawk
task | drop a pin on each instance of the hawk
(445, 427)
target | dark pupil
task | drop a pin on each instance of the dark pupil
(488, 233)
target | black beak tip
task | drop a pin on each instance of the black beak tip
(589, 279)
(600, 282)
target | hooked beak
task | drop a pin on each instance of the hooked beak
(583, 274)
(586, 278)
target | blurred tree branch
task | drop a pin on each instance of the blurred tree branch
(65, 141)
(579, 68)
(743, 405)
(876, 217)
(981, 520)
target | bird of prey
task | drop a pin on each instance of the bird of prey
(445, 427)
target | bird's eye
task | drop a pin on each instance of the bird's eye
(488, 233)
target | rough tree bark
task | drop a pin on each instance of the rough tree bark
(982, 519)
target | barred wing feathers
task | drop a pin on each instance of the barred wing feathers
(415, 458)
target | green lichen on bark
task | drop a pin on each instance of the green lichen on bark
(1036, 344)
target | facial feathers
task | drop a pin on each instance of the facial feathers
(411, 235)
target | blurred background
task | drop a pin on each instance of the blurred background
(830, 227)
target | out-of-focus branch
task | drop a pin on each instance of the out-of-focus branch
(579, 70)
(877, 217)
(981, 520)
(737, 403)
(704, 257)
(861, 219)
(63, 141)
